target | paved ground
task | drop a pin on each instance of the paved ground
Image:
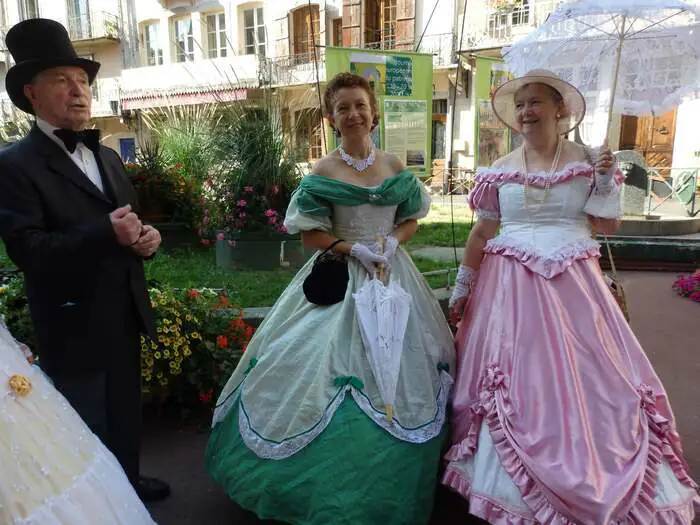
(668, 327)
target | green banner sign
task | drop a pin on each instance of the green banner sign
(403, 83)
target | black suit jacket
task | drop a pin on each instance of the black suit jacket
(81, 283)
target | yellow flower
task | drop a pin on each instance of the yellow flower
(159, 375)
(159, 329)
(143, 339)
(164, 382)
(161, 338)
(157, 355)
(20, 385)
(166, 354)
(188, 317)
(166, 341)
(195, 335)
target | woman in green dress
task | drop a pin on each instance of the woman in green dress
(300, 433)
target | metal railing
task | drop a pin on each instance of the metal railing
(443, 181)
(679, 185)
(94, 25)
(490, 27)
(442, 46)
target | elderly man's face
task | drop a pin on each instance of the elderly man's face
(61, 96)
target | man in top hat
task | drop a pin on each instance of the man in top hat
(69, 221)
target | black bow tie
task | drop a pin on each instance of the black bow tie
(89, 137)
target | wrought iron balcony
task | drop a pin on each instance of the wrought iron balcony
(496, 24)
(98, 27)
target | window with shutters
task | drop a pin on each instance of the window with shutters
(380, 23)
(254, 31)
(217, 43)
(306, 35)
(338, 32)
(184, 39)
(309, 131)
(151, 44)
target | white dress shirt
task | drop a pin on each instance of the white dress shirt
(83, 157)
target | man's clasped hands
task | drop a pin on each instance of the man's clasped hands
(144, 239)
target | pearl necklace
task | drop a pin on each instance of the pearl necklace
(548, 180)
(358, 165)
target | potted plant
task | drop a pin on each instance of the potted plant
(245, 203)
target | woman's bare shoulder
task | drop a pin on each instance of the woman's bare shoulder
(512, 160)
(326, 166)
(393, 161)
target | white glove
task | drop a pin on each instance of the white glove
(388, 250)
(605, 168)
(367, 257)
(464, 284)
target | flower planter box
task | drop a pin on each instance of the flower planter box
(262, 252)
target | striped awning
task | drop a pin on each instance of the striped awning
(146, 99)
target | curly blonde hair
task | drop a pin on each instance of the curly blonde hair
(349, 80)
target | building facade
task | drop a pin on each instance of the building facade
(97, 30)
(156, 53)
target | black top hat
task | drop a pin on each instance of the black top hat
(38, 44)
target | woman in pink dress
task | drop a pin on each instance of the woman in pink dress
(558, 416)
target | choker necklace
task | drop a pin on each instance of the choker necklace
(358, 165)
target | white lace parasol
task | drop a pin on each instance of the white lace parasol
(634, 56)
(382, 314)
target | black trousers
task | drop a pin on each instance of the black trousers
(109, 401)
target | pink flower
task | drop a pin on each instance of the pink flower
(220, 236)
(272, 220)
(249, 189)
(205, 220)
(270, 213)
(275, 189)
(205, 242)
(206, 212)
(232, 244)
(242, 214)
(242, 203)
(282, 229)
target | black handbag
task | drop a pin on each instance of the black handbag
(328, 280)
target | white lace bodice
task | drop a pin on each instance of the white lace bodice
(544, 234)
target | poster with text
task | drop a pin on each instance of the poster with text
(406, 125)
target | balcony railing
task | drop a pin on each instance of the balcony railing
(94, 26)
(293, 69)
(487, 27)
(442, 47)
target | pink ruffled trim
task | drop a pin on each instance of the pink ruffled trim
(643, 509)
(571, 170)
(497, 513)
(549, 266)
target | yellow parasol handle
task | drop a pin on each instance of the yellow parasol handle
(380, 240)
(389, 413)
